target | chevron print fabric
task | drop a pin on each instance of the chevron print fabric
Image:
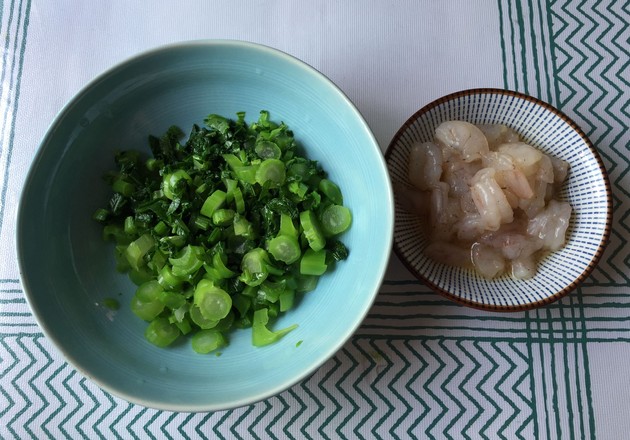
(420, 366)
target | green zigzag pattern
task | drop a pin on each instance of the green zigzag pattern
(590, 96)
(427, 373)
(372, 364)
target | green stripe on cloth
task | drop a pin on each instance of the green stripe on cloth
(10, 82)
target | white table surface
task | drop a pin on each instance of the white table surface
(420, 366)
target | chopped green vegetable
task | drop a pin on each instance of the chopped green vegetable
(213, 302)
(336, 219)
(111, 303)
(101, 215)
(261, 335)
(137, 249)
(331, 190)
(285, 248)
(213, 202)
(313, 262)
(174, 184)
(272, 172)
(205, 341)
(146, 302)
(221, 231)
(161, 332)
(268, 150)
(312, 230)
(255, 267)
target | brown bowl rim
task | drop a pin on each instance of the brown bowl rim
(609, 207)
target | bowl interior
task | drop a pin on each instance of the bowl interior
(67, 270)
(587, 190)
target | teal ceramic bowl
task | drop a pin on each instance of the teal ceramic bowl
(67, 270)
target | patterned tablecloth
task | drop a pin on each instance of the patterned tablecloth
(420, 366)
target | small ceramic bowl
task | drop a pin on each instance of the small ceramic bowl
(587, 189)
(67, 270)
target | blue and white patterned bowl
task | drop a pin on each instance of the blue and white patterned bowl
(587, 189)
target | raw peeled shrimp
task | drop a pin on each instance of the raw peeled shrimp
(464, 137)
(469, 227)
(489, 199)
(523, 268)
(425, 165)
(443, 211)
(458, 173)
(512, 241)
(560, 169)
(511, 244)
(498, 134)
(540, 181)
(525, 156)
(487, 261)
(412, 200)
(508, 175)
(551, 224)
(448, 253)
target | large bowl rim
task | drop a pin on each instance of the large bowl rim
(596, 156)
(62, 113)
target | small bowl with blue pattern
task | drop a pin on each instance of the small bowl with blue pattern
(474, 253)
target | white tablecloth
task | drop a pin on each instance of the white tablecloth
(420, 366)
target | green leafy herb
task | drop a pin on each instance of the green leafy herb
(223, 230)
(111, 303)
